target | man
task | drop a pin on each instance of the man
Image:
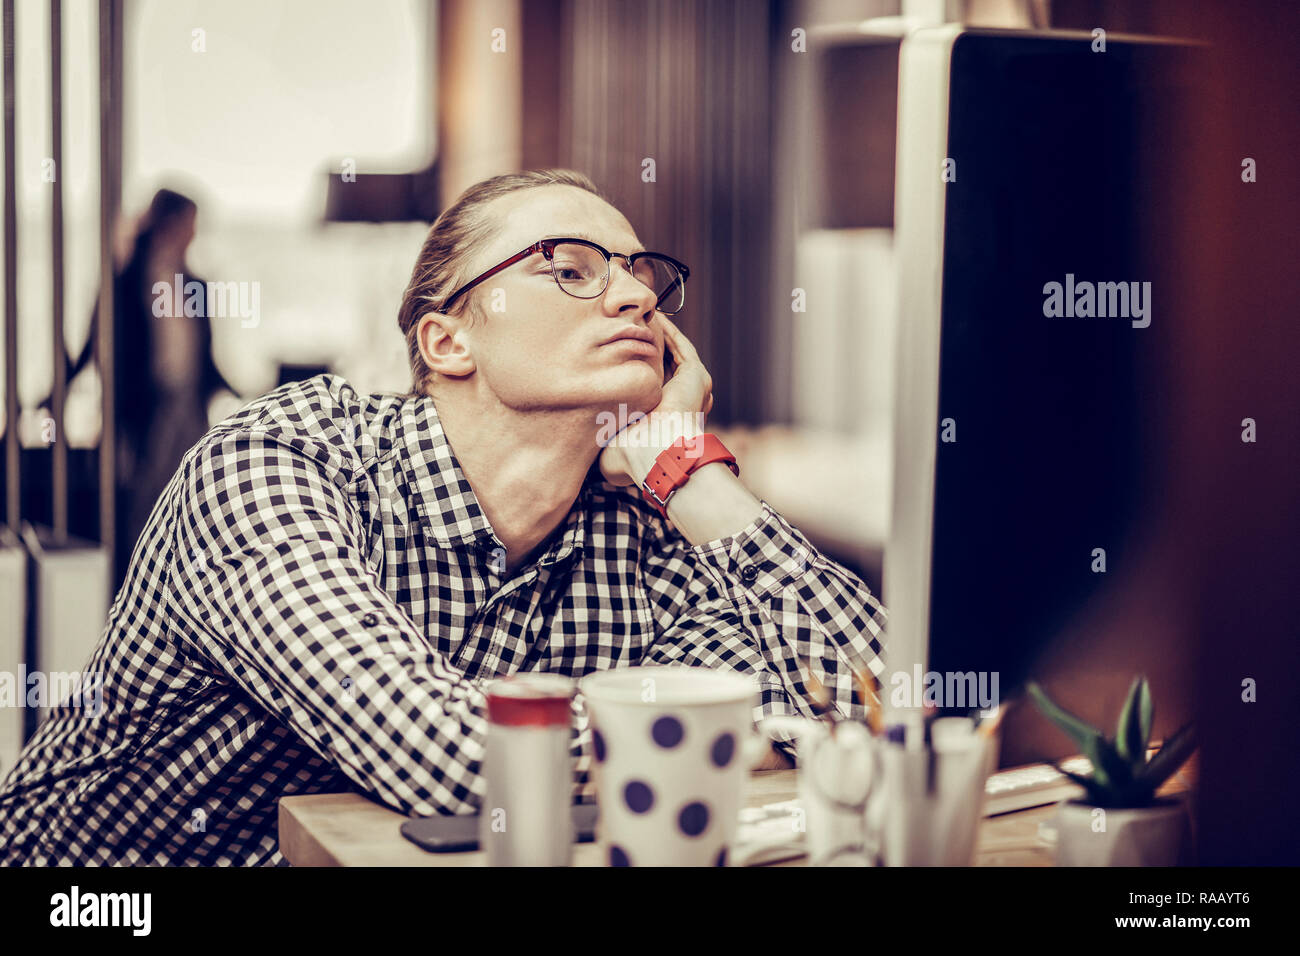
(329, 580)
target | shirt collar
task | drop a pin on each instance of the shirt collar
(438, 491)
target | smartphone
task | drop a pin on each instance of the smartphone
(459, 834)
(670, 366)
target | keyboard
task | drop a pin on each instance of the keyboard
(1033, 786)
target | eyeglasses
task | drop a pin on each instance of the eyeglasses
(581, 269)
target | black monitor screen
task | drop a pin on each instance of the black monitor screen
(1054, 396)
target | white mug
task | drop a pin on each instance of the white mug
(673, 749)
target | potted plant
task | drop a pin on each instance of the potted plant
(1121, 821)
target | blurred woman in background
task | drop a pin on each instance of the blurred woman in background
(164, 375)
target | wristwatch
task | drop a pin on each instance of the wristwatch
(676, 462)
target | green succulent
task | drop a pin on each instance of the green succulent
(1122, 776)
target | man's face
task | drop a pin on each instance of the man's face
(547, 349)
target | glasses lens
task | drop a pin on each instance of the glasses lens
(583, 272)
(664, 279)
(580, 270)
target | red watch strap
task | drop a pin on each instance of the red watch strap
(676, 462)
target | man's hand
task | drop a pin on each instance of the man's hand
(686, 400)
(774, 760)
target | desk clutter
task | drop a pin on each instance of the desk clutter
(674, 747)
(776, 831)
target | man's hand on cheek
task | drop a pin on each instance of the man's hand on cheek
(684, 404)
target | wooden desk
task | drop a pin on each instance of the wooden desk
(347, 829)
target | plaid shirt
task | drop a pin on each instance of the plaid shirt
(317, 601)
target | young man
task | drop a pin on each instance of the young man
(329, 580)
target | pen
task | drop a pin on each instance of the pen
(821, 700)
(871, 697)
(929, 754)
(988, 728)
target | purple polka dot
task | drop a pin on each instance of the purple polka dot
(638, 796)
(599, 743)
(667, 732)
(724, 748)
(617, 857)
(722, 858)
(693, 819)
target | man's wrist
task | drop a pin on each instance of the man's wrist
(646, 448)
(713, 504)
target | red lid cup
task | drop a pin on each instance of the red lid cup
(531, 700)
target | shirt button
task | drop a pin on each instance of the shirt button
(369, 620)
(748, 573)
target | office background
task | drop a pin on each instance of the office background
(773, 171)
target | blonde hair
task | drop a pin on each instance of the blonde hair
(457, 233)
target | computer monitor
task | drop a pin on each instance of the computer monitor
(1029, 211)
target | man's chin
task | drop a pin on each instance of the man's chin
(642, 400)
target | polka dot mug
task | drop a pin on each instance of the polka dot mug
(673, 748)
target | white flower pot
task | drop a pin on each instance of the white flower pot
(1158, 835)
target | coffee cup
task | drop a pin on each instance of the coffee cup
(673, 748)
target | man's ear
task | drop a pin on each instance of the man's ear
(442, 346)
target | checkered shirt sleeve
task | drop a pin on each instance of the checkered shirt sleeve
(766, 602)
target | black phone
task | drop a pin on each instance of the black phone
(669, 365)
(459, 834)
